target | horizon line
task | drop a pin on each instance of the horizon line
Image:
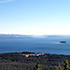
(32, 34)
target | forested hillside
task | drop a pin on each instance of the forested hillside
(17, 61)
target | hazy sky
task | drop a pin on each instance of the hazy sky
(35, 17)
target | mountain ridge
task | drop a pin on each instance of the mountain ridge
(2, 36)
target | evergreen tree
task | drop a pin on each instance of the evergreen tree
(37, 66)
(59, 67)
(66, 65)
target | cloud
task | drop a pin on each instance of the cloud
(4, 1)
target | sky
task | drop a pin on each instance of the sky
(35, 17)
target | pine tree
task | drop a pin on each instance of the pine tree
(59, 67)
(37, 66)
(66, 65)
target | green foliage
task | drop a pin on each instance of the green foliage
(16, 61)
(37, 66)
(60, 67)
(66, 65)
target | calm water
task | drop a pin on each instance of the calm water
(47, 45)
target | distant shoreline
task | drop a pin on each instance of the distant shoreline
(26, 52)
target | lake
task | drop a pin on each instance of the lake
(42, 45)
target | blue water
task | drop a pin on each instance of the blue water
(42, 45)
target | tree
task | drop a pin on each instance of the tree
(59, 67)
(37, 66)
(66, 65)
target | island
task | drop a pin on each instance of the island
(62, 42)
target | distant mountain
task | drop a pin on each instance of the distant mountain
(55, 36)
(49, 36)
(4, 36)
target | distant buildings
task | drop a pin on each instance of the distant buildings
(34, 54)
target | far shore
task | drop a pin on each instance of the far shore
(27, 54)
